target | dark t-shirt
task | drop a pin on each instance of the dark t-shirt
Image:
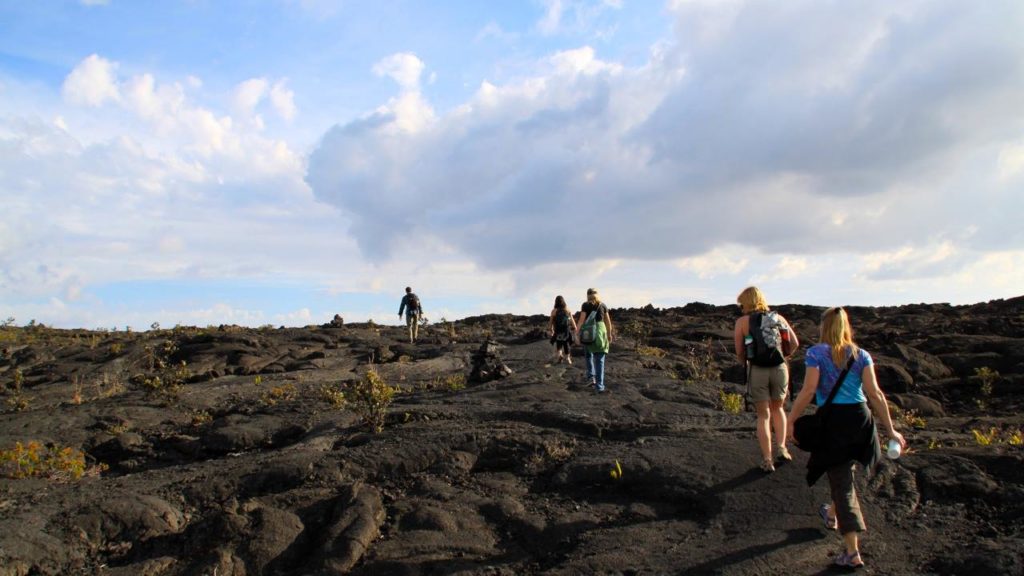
(588, 308)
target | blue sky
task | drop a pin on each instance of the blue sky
(278, 162)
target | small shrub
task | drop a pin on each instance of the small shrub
(985, 439)
(32, 460)
(18, 380)
(639, 332)
(699, 363)
(167, 384)
(76, 386)
(1016, 438)
(987, 377)
(652, 351)
(17, 403)
(199, 418)
(449, 328)
(332, 396)
(1012, 437)
(455, 382)
(369, 398)
(278, 394)
(116, 348)
(731, 402)
(908, 418)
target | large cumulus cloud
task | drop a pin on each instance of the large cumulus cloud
(797, 128)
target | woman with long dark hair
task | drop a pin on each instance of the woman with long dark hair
(852, 436)
(561, 327)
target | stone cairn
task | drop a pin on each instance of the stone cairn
(487, 364)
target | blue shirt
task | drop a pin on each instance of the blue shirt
(852, 392)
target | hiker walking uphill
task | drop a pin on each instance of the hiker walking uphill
(841, 376)
(562, 328)
(595, 333)
(411, 306)
(763, 341)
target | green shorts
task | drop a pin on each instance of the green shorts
(769, 383)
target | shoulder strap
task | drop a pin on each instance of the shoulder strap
(839, 381)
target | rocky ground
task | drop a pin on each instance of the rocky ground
(229, 451)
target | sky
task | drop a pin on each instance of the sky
(277, 162)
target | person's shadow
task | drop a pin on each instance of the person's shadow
(793, 537)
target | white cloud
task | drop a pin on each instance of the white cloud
(283, 100)
(404, 68)
(787, 268)
(92, 82)
(248, 95)
(1011, 161)
(575, 16)
(829, 142)
(549, 23)
(720, 261)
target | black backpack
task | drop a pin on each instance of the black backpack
(413, 303)
(767, 346)
(561, 321)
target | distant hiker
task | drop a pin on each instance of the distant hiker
(595, 334)
(411, 306)
(850, 429)
(562, 327)
(763, 340)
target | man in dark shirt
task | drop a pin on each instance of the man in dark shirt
(411, 306)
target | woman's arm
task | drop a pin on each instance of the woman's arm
(608, 324)
(794, 342)
(876, 398)
(737, 340)
(802, 399)
(551, 321)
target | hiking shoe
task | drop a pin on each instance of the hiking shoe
(767, 466)
(831, 522)
(848, 560)
(783, 454)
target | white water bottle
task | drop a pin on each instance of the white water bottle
(894, 449)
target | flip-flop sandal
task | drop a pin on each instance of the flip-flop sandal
(831, 522)
(847, 560)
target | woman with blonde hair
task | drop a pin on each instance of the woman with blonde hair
(763, 339)
(594, 317)
(851, 434)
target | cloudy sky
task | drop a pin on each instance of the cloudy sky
(280, 161)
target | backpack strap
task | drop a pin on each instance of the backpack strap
(839, 381)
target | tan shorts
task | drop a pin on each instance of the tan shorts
(769, 383)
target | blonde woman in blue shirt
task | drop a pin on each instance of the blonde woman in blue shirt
(850, 427)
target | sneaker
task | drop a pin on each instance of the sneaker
(783, 454)
(831, 522)
(848, 560)
(767, 466)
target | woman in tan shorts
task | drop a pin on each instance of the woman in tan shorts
(763, 340)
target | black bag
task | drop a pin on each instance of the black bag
(809, 430)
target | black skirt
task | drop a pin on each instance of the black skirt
(852, 435)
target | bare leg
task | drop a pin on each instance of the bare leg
(778, 417)
(764, 439)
